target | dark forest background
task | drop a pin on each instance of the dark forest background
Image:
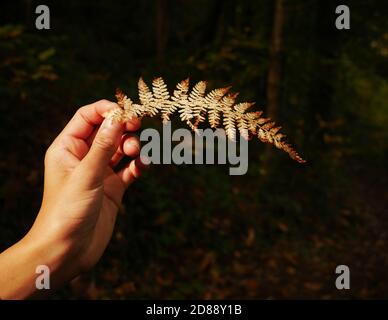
(194, 231)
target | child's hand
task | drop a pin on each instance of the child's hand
(82, 192)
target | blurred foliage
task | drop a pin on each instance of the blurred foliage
(194, 231)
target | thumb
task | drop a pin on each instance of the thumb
(104, 146)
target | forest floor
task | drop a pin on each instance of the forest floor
(291, 266)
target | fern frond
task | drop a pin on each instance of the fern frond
(229, 122)
(242, 123)
(197, 102)
(147, 99)
(212, 101)
(179, 100)
(182, 102)
(193, 106)
(162, 98)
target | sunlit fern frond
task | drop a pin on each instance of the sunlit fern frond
(194, 107)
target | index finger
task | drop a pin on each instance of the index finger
(83, 123)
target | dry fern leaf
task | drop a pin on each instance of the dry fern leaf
(192, 106)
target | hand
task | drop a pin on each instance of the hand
(82, 191)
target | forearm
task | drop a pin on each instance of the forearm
(18, 266)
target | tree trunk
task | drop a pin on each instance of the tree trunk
(161, 24)
(274, 76)
(275, 60)
(29, 11)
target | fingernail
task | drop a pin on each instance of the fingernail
(134, 144)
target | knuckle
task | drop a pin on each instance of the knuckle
(48, 157)
(104, 101)
(81, 111)
(105, 143)
(107, 103)
(52, 157)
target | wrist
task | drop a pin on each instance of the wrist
(55, 241)
(19, 267)
(59, 256)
